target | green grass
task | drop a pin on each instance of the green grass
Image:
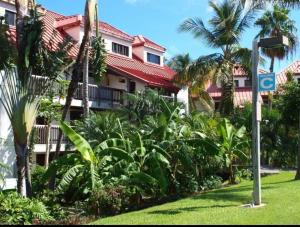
(280, 192)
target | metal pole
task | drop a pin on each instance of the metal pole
(256, 127)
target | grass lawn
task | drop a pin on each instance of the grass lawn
(280, 193)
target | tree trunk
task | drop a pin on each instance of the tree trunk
(270, 94)
(85, 88)
(76, 74)
(231, 175)
(48, 136)
(28, 176)
(298, 161)
(227, 102)
(21, 168)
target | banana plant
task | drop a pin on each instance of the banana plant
(87, 164)
(138, 160)
(234, 145)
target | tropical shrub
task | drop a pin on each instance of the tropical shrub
(109, 200)
(16, 209)
(38, 179)
(211, 182)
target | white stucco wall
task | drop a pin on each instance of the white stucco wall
(75, 33)
(114, 82)
(140, 86)
(153, 51)
(7, 151)
(108, 40)
(8, 6)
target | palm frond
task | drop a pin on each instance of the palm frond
(198, 29)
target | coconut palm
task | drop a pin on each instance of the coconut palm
(224, 33)
(262, 3)
(189, 78)
(277, 23)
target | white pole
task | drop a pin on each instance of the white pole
(256, 127)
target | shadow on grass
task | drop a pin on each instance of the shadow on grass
(187, 209)
(281, 182)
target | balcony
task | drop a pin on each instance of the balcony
(41, 134)
(99, 96)
(102, 97)
(41, 138)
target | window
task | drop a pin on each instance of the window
(248, 83)
(153, 58)
(236, 82)
(298, 80)
(10, 18)
(120, 49)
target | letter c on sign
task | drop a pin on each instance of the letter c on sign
(266, 83)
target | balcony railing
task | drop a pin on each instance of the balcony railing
(97, 94)
(41, 134)
(102, 94)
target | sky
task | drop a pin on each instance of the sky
(158, 20)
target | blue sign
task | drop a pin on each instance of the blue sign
(266, 82)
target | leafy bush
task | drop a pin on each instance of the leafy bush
(38, 179)
(244, 174)
(211, 182)
(109, 200)
(15, 209)
(53, 202)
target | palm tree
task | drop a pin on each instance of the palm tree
(224, 33)
(78, 68)
(190, 79)
(277, 23)
(262, 3)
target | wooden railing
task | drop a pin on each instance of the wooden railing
(101, 94)
(41, 134)
(98, 94)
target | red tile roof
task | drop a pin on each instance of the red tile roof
(153, 75)
(294, 68)
(106, 28)
(140, 40)
(241, 95)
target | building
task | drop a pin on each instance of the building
(243, 85)
(133, 64)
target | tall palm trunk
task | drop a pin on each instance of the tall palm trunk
(227, 102)
(270, 94)
(22, 11)
(298, 161)
(85, 89)
(76, 73)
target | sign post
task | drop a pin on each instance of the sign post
(255, 128)
(266, 82)
(261, 83)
